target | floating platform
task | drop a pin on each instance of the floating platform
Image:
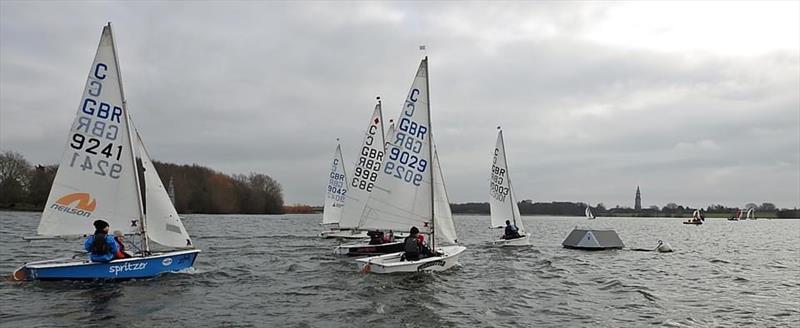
(593, 240)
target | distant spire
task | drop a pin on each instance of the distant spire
(638, 203)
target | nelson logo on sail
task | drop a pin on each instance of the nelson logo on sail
(84, 207)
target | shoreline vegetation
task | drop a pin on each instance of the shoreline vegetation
(201, 190)
(197, 189)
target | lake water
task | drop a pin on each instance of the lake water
(258, 271)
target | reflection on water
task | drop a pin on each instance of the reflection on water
(272, 271)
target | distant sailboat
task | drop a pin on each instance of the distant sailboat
(696, 218)
(750, 215)
(410, 190)
(502, 202)
(336, 191)
(737, 216)
(589, 214)
(97, 179)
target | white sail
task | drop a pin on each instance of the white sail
(164, 226)
(336, 191)
(366, 171)
(589, 214)
(445, 227)
(96, 176)
(502, 203)
(750, 214)
(403, 195)
(389, 135)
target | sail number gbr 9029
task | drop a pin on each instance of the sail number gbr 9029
(404, 161)
(96, 129)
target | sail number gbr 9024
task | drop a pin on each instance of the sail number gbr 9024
(404, 160)
(96, 129)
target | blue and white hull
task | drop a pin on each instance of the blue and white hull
(130, 268)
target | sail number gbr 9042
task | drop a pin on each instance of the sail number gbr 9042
(96, 129)
(404, 160)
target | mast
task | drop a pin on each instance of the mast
(341, 162)
(430, 150)
(508, 177)
(380, 114)
(130, 144)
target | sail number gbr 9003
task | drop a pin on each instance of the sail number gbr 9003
(404, 161)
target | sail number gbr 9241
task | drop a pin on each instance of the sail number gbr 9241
(403, 159)
(95, 136)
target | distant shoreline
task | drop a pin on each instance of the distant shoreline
(712, 216)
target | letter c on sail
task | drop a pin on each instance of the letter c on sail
(85, 201)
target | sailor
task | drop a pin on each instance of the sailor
(411, 246)
(119, 238)
(388, 237)
(425, 251)
(375, 237)
(101, 246)
(511, 232)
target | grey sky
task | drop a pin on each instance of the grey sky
(698, 103)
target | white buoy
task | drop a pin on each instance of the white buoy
(663, 247)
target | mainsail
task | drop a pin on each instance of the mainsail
(337, 190)
(367, 169)
(403, 195)
(502, 203)
(96, 176)
(164, 226)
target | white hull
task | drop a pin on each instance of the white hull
(344, 234)
(390, 263)
(521, 241)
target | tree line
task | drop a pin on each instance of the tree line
(197, 189)
(670, 210)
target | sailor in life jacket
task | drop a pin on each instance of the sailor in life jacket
(101, 246)
(411, 246)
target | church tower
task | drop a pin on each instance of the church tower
(638, 205)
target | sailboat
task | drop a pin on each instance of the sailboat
(361, 184)
(98, 178)
(588, 213)
(696, 219)
(410, 190)
(336, 191)
(750, 215)
(502, 203)
(737, 216)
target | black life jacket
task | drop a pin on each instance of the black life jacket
(99, 244)
(411, 245)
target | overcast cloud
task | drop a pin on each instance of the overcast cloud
(698, 103)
